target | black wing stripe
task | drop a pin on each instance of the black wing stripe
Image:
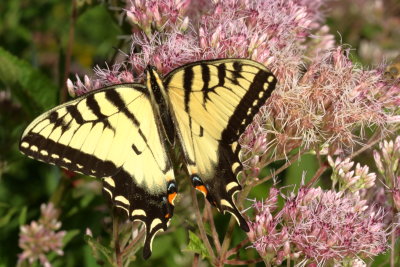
(234, 128)
(106, 168)
(92, 104)
(221, 74)
(115, 98)
(187, 85)
(73, 110)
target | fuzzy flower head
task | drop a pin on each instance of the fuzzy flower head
(41, 237)
(327, 226)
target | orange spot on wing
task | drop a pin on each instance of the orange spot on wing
(202, 189)
(171, 198)
(167, 215)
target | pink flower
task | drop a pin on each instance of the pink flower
(41, 237)
(317, 226)
(330, 226)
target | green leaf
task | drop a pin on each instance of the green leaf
(97, 247)
(196, 245)
(4, 220)
(32, 88)
(70, 235)
(22, 216)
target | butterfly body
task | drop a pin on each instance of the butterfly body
(120, 134)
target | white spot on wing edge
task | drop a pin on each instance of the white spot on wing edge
(44, 152)
(34, 148)
(55, 156)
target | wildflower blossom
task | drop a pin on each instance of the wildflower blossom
(41, 237)
(317, 226)
(150, 15)
(348, 179)
(387, 161)
(326, 225)
(270, 242)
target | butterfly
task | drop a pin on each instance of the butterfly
(121, 134)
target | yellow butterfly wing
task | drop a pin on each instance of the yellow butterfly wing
(212, 103)
(111, 133)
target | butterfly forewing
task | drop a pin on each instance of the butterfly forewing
(112, 134)
(212, 103)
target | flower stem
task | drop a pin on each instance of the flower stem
(317, 174)
(199, 221)
(71, 34)
(212, 225)
(392, 248)
(118, 254)
(281, 169)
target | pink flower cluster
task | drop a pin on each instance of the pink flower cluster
(317, 226)
(41, 237)
(387, 160)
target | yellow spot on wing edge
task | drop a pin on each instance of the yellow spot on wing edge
(234, 215)
(109, 181)
(152, 238)
(224, 202)
(119, 206)
(235, 166)
(55, 156)
(138, 212)
(24, 144)
(230, 186)
(34, 148)
(108, 191)
(270, 78)
(154, 223)
(122, 199)
(234, 146)
(44, 152)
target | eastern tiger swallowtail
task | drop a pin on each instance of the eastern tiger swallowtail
(119, 134)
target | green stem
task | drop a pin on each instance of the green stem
(63, 186)
(212, 225)
(71, 34)
(199, 221)
(118, 254)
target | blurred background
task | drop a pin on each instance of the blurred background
(42, 43)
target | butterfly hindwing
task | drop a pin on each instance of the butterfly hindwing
(111, 134)
(212, 104)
